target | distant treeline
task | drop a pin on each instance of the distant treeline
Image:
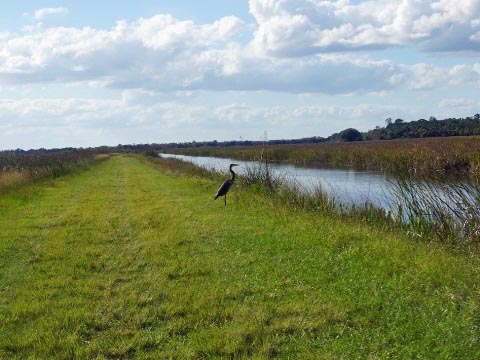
(426, 128)
(193, 144)
(159, 146)
(394, 129)
(397, 129)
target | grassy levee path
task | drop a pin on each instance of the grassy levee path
(124, 261)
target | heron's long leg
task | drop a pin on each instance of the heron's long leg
(225, 199)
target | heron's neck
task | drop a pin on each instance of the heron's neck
(233, 174)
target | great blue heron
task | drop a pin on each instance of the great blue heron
(223, 190)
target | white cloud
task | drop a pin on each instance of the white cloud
(162, 65)
(302, 27)
(164, 32)
(457, 107)
(427, 77)
(40, 14)
(159, 50)
(82, 122)
(140, 116)
(456, 103)
(164, 54)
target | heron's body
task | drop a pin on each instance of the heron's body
(223, 190)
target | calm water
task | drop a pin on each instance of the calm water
(346, 186)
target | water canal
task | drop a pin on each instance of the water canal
(346, 186)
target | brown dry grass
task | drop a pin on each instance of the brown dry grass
(12, 178)
(102, 156)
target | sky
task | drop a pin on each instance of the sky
(91, 73)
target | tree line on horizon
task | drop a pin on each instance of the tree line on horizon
(423, 128)
(394, 129)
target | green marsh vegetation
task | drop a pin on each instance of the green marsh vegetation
(445, 209)
(134, 259)
(434, 194)
(429, 157)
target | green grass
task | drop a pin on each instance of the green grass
(124, 261)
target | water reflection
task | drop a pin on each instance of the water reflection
(346, 186)
(445, 208)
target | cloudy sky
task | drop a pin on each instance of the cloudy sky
(89, 73)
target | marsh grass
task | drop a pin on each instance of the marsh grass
(103, 156)
(258, 178)
(18, 169)
(126, 261)
(446, 209)
(11, 178)
(430, 157)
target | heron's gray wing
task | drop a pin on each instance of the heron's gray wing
(223, 189)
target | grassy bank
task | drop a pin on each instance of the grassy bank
(127, 261)
(444, 210)
(433, 156)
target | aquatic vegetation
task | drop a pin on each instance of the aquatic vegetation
(430, 157)
(444, 209)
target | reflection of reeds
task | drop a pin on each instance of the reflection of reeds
(446, 209)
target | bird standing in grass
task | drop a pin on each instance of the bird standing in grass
(223, 190)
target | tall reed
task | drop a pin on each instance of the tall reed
(444, 209)
(11, 178)
(17, 168)
(430, 157)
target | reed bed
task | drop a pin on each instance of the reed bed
(444, 209)
(10, 178)
(426, 157)
(17, 168)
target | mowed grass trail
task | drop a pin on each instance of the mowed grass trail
(124, 261)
